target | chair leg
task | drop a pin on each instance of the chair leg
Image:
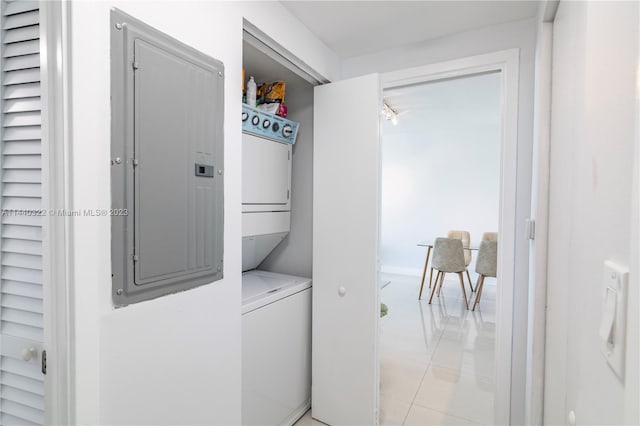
(442, 274)
(464, 293)
(469, 278)
(479, 288)
(430, 277)
(435, 286)
(422, 284)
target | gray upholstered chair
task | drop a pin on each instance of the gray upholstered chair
(491, 236)
(465, 237)
(486, 265)
(448, 257)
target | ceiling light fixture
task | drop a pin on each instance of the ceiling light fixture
(389, 113)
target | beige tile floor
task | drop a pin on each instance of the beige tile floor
(436, 361)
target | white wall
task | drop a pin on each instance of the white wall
(293, 255)
(176, 359)
(440, 167)
(518, 34)
(593, 212)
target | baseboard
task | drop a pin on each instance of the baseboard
(297, 414)
(401, 271)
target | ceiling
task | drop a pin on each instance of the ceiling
(354, 28)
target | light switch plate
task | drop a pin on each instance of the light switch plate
(613, 345)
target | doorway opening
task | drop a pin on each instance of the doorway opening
(440, 172)
(505, 66)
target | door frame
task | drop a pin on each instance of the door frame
(538, 246)
(54, 40)
(507, 63)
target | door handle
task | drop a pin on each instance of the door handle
(29, 353)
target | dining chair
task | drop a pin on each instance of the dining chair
(465, 237)
(491, 236)
(448, 257)
(486, 265)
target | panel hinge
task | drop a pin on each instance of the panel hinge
(134, 162)
(135, 65)
(135, 257)
(43, 363)
(530, 229)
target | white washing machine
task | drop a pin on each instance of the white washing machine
(276, 308)
(276, 348)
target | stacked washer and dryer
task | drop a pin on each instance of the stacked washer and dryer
(276, 308)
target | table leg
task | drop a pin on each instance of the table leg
(424, 272)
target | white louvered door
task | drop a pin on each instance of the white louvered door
(21, 293)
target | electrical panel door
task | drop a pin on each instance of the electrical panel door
(167, 151)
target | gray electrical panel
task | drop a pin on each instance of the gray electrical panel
(166, 163)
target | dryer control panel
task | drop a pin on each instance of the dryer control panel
(269, 126)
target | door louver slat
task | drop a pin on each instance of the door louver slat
(7, 419)
(22, 190)
(22, 412)
(31, 276)
(21, 48)
(21, 62)
(26, 90)
(21, 162)
(23, 383)
(11, 245)
(22, 329)
(32, 233)
(22, 147)
(22, 397)
(24, 176)
(20, 205)
(21, 260)
(21, 20)
(21, 104)
(22, 34)
(17, 366)
(31, 75)
(24, 133)
(12, 8)
(22, 289)
(35, 221)
(21, 303)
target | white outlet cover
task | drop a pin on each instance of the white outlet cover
(615, 282)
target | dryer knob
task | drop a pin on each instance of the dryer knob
(245, 116)
(287, 130)
(266, 123)
(275, 127)
(255, 120)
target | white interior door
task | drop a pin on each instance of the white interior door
(21, 284)
(346, 212)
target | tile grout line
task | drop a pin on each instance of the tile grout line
(425, 372)
(456, 416)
